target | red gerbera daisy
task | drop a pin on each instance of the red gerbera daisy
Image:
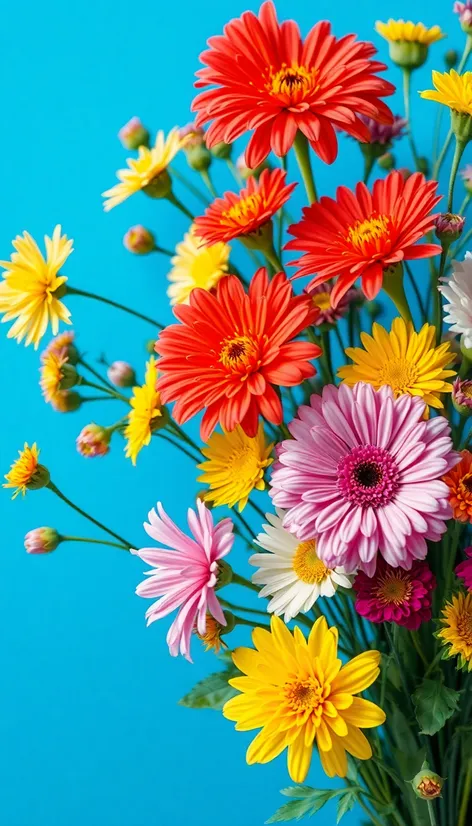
(246, 213)
(363, 234)
(270, 81)
(231, 348)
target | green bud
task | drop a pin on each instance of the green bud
(149, 346)
(70, 377)
(451, 58)
(408, 55)
(374, 308)
(160, 186)
(427, 784)
(222, 150)
(40, 478)
(198, 157)
(230, 623)
(387, 161)
(225, 574)
(423, 165)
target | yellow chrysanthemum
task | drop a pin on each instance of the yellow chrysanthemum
(407, 32)
(25, 473)
(146, 408)
(299, 693)
(194, 265)
(52, 374)
(144, 170)
(235, 466)
(406, 361)
(457, 631)
(452, 90)
(31, 289)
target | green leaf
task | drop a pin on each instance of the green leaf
(310, 801)
(299, 791)
(434, 703)
(211, 692)
(346, 803)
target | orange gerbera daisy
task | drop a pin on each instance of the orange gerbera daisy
(459, 481)
(231, 348)
(269, 80)
(363, 234)
(234, 216)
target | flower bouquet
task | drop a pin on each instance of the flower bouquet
(361, 647)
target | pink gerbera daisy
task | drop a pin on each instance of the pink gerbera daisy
(395, 595)
(464, 569)
(186, 573)
(362, 474)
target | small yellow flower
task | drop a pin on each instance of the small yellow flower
(235, 466)
(52, 373)
(26, 473)
(211, 639)
(195, 265)
(31, 288)
(299, 693)
(457, 631)
(149, 169)
(452, 90)
(146, 409)
(406, 361)
(405, 31)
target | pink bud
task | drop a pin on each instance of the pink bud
(121, 374)
(133, 134)
(139, 240)
(93, 440)
(41, 540)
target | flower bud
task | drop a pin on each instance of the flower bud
(150, 344)
(66, 401)
(93, 440)
(427, 784)
(408, 54)
(121, 374)
(405, 172)
(222, 150)
(139, 240)
(40, 478)
(41, 541)
(464, 10)
(133, 134)
(193, 144)
(448, 227)
(386, 161)
(462, 396)
(423, 165)
(451, 58)
(214, 630)
(160, 186)
(224, 575)
(70, 377)
(245, 171)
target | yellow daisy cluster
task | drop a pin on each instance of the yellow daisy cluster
(195, 265)
(146, 410)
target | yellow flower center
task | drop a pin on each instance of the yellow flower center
(304, 695)
(239, 352)
(400, 374)
(307, 565)
(466, 390)
(292, 82)
(393, 588)
(243, 212)
(322, 300)
(464, 627)
(369, 235)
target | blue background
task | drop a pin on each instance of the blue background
(90, 731)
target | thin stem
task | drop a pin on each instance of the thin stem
(273, 258)
(437, 303)
(178, 203)
(184, 436)
(465, 204)
(454, 252)
(258, 510)
(83, 513)
(164, 251)
(258, 624)
(434, 663)
(97, 399)
(437, 132)
(431, 812)
(337, 333)
(252, 255)
(368, 812)
(112, 393)
(327, 354)
(246, 583)
(93, 541)
(232, 168)
(208, 182)
(95, 373)
(302, 154)
(190, 186)
(458, 151)
(176, 444)
(416, 642)
(416, 290)
(86, 294)
(243, 608)
(407, 102)
(369, 162)
(247, 527)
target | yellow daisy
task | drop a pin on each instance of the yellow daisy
(26, 473)
(52, 374)
(452, 90)
(31, 288)
(147, 172)
(194, 265)
(298, 693)
(406, 361)
(457, 631)
(146, 409)
(235, 466)
(407, 32)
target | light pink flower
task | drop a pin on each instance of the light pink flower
(362, 474)
(186, 573)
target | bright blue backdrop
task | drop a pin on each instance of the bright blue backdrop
(90, 731)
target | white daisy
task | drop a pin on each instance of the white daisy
(457, 290)
(291, 572)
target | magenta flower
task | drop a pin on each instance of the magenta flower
(396, 595)
(384, 133)
(464, 10)
(186, 573)
(362, 474)
(464, 569)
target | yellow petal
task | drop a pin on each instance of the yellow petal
(364, 714)
(299, 758)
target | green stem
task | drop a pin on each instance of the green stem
(178, 203)
(85, 294)
(247, 527)
(273, 258)
(112, 393)
(417, 645)
(458, 152)
(437, 303)
(191, 188)
(164, 251)
(437, 132)
(234, 171)
(184, 436)
(465, 203)
(460, 69)
(258, 624)
(258, 510)
(368, 812)
(95, 373)
(416, 291)
(83, 513)
(208, 182)
(93, 541)
(302, 154)
(327, 354)
(393, 286)
(407, 102)
(246, 583)
(176, 444)
(454, 252)
(434, 663)
(450, 558)
(233, 607)
(337, 333)
(431, 812)
(97, 399)
(369, 162)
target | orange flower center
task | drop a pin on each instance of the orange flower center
(243, 212)
(211, 639)
(304, 695)
(464, 627)
(393, 588)
(322, 301)
(370, 236)
(292, 83)
(307, 565)
(240, 354)
(466, 485)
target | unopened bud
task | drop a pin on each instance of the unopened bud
(451, 58)
(66, 401)
(41, 541)
(405, 172)
(222, 150)
(93, 440)
(408, 54)
(386, 161)
(193, 144)
(70, 377)
(423, 165)
(121, 374)
(139, 240)
(150, 344)
(462, 396)
(224, 575)
(427, 784)
(133, 134)
(464, 10)
(448, 227)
